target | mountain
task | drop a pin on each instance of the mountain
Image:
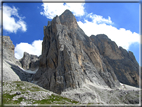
(15, 74)
(69, 59)
(85, 69)
(123, 63)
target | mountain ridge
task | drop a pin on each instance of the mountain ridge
(69, 50)
(73, 65)
(120, 60)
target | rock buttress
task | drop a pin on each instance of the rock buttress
(69, 59)
(123, 63)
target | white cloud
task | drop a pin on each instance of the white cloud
(10, 23)
(99, 19)
(34, 48)
(100, 25)
(53, 9)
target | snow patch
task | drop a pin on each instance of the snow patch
(29, 71)
(128, 87)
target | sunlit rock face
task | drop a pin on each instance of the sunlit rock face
(123, 63)
(70, 58)
(7, 57)
(8, 48)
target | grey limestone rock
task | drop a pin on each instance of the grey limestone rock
(85, 69)
(122, 62)
(29, 61)
(7, 55)
(7, 49)
(96, 95)
(12, 70)
(69, 58)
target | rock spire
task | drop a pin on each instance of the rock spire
(69, 58)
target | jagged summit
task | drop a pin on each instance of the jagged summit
(67, 18)
(69, 58)
(29, 62)
(67, 12)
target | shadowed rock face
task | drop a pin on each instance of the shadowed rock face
(11, 68)
(29, 62)
(123, 63)
(69, 59)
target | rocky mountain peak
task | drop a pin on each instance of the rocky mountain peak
(67, 18)
(69, 58)
(29, 61)
(87, 69)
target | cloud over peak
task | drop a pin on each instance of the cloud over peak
(122, 37)
(50, 10)
(34, 48)
(97, 25)
(99, 19)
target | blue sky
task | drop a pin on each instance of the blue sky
(24, 23)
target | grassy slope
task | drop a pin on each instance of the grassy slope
(30, 94)
(33, 94)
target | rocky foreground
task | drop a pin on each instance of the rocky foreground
(72, 69)
(25, 93)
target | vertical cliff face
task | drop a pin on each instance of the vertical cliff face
(29, 62)
(69, 59)
(123, 63)
(8, 48)
(7, 52)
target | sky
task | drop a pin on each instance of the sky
(24, 23)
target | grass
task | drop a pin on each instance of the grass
(29, 89)
(7, 99)
(56, 99)
(18, 86)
